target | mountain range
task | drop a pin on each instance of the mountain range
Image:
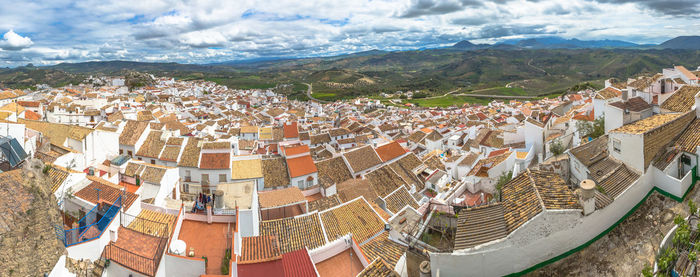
(553, 42)
(538, 66)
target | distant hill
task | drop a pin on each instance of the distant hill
(547, 43)
(467, 45)
(562, 43)
(116, 67)
(28, 76)
(682, 42)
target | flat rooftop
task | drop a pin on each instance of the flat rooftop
(237, 193)
(208, 240)
(345, 263)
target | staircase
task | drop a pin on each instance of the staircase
(99, 267)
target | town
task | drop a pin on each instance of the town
(191, 178)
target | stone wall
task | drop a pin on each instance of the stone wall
(28, 243)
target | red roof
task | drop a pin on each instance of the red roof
(390, 151)
(301, 166)
(296, 150)
(29, 104)
(215, 161)
(498, 152)
(298, 264)
(587, 116)
(291, 130)
(31, 115)
(272, 269)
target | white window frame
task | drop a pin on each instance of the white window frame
(617, 145)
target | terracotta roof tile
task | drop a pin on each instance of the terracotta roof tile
(107, 194)
(295, 233)
(259, 249)
(355, 217)
(332, 171)
(275, 172)
(362, 158)
(476, 226)
(384, 248)
(682, 100)
(390, 151)
(215, 161)
(301, 166)
(689, 140)
(399, 199)
(152, 146)
(131, 132)
(246, 169)
(280, 197)
(378, 268)
(384, 180)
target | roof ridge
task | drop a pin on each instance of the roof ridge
(532, 182)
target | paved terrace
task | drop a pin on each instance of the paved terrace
(208, 240)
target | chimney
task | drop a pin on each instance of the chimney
(587, 197)
(625, 95)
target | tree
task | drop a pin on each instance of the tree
(593, 130)
(502, 180)
(557, 148)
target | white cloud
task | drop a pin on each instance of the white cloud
(11, 41)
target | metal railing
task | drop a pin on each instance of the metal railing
(83, 233)
(146, 226)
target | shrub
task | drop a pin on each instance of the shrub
(226, 262)
(691, 206)
(557, 148)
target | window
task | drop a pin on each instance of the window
(222, 177)
(130, 153)
(121, 151)
(153, 161)
(205, 178)
(616, 145)
(191, 188)
(300, 184)
(309, 183)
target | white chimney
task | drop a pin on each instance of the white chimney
(587, 196)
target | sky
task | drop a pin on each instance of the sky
(55, 31)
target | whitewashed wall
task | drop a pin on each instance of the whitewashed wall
(548, 235)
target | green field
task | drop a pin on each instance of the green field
(329, 96)
(243, 82)
(448, 101)
(500, 91)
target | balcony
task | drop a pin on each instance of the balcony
(90, 227)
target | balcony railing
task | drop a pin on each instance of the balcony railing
(89, 229)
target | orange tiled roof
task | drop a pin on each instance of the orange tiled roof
(291, 130)
(296, 150)
(280, 197)
(390, 151)
(259, 249)
(107, 194)
(301, 166)
(31, 115)
(215, 161)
